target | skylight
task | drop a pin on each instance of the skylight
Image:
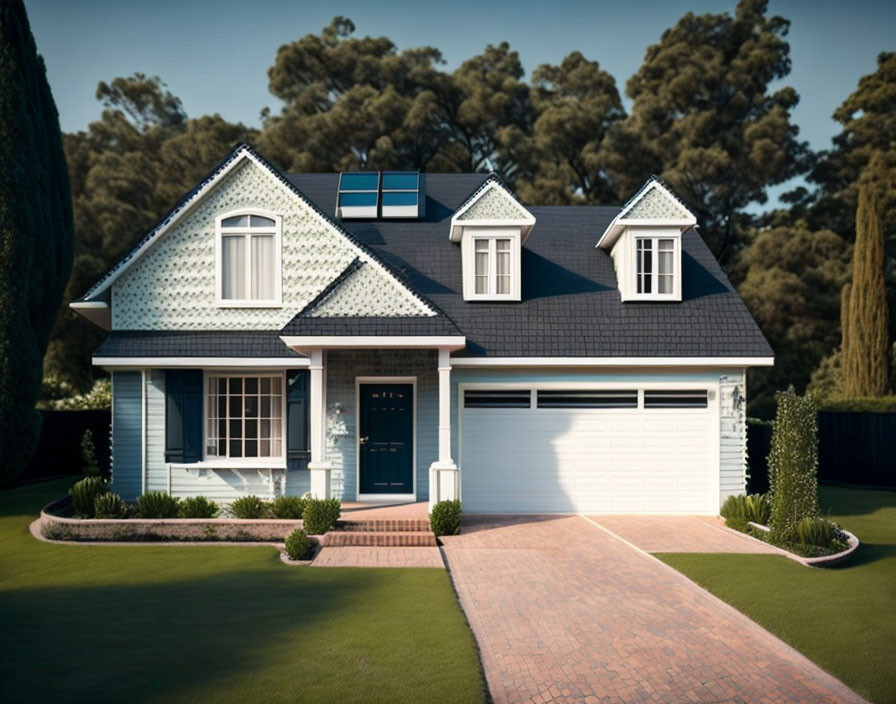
(358, 194)
(387, 194)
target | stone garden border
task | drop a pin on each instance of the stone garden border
(823, 561)
(162, 530)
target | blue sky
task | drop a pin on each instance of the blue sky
(215, 55)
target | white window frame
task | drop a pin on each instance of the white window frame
(468, 247)
(276, 231)
(627, 267)
(273, 462)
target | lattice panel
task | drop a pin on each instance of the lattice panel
(495, 204)
(656, 205)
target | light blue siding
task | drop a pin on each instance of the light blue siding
(342, 370)
(127, 434)
(156, 469)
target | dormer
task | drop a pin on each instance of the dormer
(491, 228)
(644, 240)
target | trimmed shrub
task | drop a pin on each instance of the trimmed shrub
(320, 515)
(109, 505)
(793, 465)
(445, 518)
(84, 495)
(298, 545)
(157, 504)
(198, 507)
(740, 510)
(249, 507)
(288, 507)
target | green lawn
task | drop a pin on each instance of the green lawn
(224, 624)
(842, 618)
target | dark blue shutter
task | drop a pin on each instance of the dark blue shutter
(183, 415)
(297, 420)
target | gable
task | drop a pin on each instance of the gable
(656, 205)
(171, 285)
(364, 293)
(494, 204)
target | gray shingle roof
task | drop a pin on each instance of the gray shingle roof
(570, 305)
(180, 343)
(420, 325)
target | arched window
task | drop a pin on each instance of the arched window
(248, 259)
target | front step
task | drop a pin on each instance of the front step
(381, 525)
(378, 538)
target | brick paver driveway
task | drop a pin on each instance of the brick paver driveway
(565, 612)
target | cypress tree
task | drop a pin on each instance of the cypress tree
(35, 234)
(865, 355)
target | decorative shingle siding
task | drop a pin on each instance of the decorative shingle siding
(495, 203)
(127, 434)
(366, 292)
(656, 205)
(172, 286)
(342, 369)
(733, 442)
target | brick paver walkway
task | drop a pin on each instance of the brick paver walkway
(378, 557)
(565, 612)
(682, 534)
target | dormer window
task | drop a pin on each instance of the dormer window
(248, 260)
(491, 260)
(655, 258)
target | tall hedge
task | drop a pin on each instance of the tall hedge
(793, 464)
(866, 340)
(35, 234)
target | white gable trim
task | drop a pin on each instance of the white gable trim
(620, 222)
(241, 154)
(201, 362)
(526, 223)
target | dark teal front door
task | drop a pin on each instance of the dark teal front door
(386, 438)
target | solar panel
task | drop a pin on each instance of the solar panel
(358, 195)
(388, 194)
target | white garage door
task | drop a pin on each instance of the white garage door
(635, 450)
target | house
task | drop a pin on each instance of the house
(397, 336)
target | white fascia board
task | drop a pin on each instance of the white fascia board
(311, 342)
(97, 312)
(200, 362)
(612, 361)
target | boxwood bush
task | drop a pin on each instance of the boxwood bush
(84, 495)
(445, 518)
(288, 507)
(249, 507)
(298, 545)
(109, 505)
(198, 507)
(320, 515)
(157, 504)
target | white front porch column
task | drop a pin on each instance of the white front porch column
(444, 484)
(318, 466)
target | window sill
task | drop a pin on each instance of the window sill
(273, 463)
(493, 299)
(652, 298)
(248, 304)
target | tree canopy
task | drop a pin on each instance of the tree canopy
(710, 112)
(35, 234)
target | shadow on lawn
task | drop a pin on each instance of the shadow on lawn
(190, 639)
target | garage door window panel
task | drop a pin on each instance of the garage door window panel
(498, 398)
(587, 399)
(676, 399)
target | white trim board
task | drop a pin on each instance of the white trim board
(359, 380)
(308, 342)
(121, 363)
(672, 362)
